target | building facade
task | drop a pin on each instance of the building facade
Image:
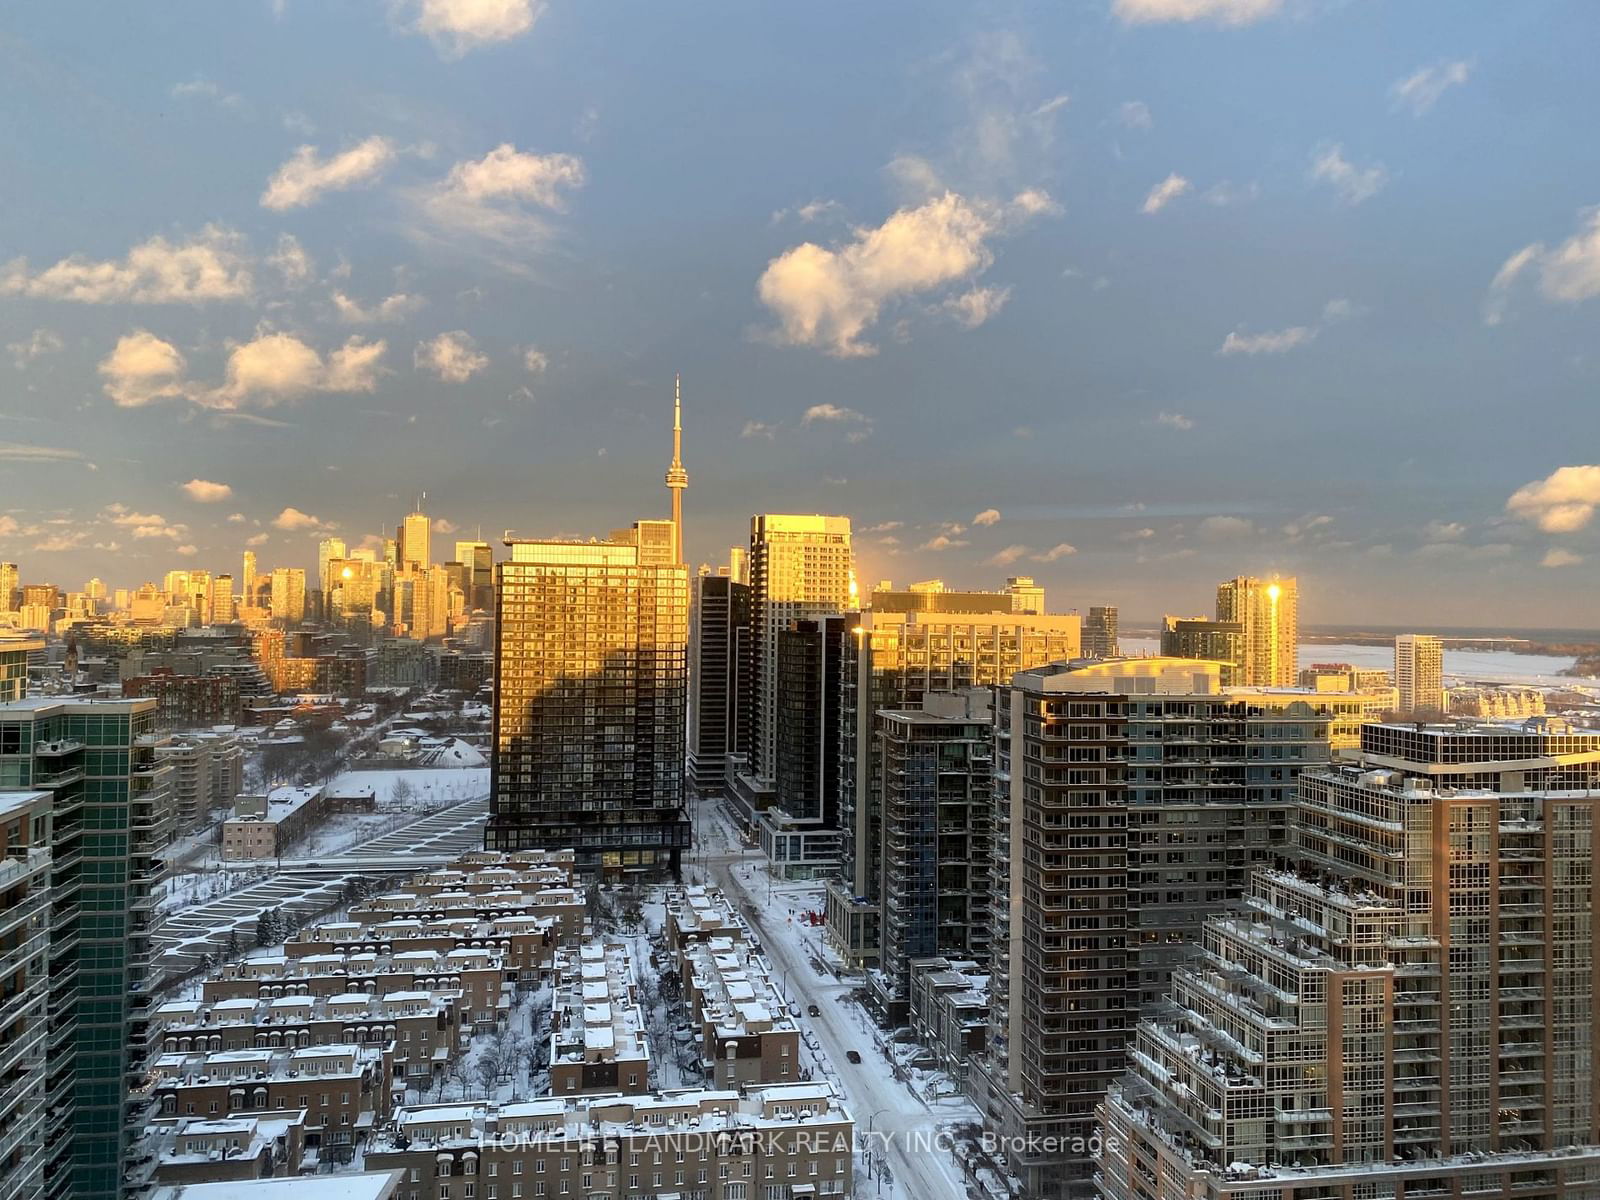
(1269, 612)
(1407, 1010)
(1133, 797)
(591, 684)
(1419, 673)
(719, 709)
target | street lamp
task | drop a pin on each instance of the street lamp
(870, 1119)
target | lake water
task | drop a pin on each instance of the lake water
(1488, 666)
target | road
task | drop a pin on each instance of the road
(920, 1171)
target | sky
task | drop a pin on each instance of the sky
(1128, 295)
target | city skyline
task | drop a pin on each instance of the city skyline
(1131, 357)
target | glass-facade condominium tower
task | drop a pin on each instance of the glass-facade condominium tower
(591, 682)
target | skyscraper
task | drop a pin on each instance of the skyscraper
(222, 606)
(415, 543)
(1419, 672)
(1100, 632)
(677, 477)
(800, 566)
(289, 595)
(112, 818)
(328, 550)
(10, 586)
(1405, 1010)
(591, 683)
(719, 715)
(1269, 612)
(247, 578)
(1132, 798)
(478, 558)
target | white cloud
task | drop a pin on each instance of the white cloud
(1059, 551)
(1228, 193)
(458, 26)
(1174, 420)
(291, 261)
(1353, 184)
(453, 356)
(236, 518)
(1568, 274)
(1556, 557)
(759, 429)
(1562, 502)
(1135, 114)
(972, 308)
(813, 210)
(1007, 556)
(276, 367)
(38, 344)
(494, 199)
(57, 542)
(142, 369)
(989, 516)
(207, 492)
(212, 265)
(1296, 530)
(1443, 531)
(302, 180)
(1421, 90)
(828, 298)
(1218, 12)
(257, 539)
(18, 452)
(441, 525)
(391, 308)
(1217, 529)
(1164, 193)
(144, 525)
(1034, 202)
(884, 527)
(1279, 342)
(1139, 535)
(830, 412)
(535, 361)
(292, 520)
(942, 542)
(200, 88)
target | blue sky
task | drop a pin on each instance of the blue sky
(1176, 288)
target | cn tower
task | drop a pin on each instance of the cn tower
(677, 477)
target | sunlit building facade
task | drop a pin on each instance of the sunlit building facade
(1268, 611)
(1419, 672)
(591, 683)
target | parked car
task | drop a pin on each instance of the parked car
(853, 1056)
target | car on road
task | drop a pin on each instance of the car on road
(813, 1011)
(854, 1056)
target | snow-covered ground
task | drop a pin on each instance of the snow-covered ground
(420, 789)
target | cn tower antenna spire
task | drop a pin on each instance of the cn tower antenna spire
(677, 477)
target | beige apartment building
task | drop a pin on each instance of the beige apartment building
(267, 826)
(789, 1142)
(1408, 1011)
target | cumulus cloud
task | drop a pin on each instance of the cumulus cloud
(759, 429)
(276, 367)
(1557, 557)
(1164, 193)
(292, 520)
(972, 308)
(829, 298)
(534, 361)
(1562, 502)
(1353, 184)
(211, 265)
(501, 200)
(1420, 91)
(457, 27)
(831, 412)
(142, 369)
(1279, 342)
(291, 261)
(989, 516)
(942, 541)
(454, 357)
(1174, 420)
(1216, 12)
(38, 344)
(304, 179)
(57, 542)
(442, 525)
(1059, 551)
(1008, 555)
(1568, 274)
(1218, 529)
(207, 492)
(144, 525)
(391, 308)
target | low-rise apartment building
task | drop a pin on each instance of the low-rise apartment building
(747, 1035)
(779, 1142)
(266, 826)
(236, 1148)
(597, 1040)
(695, 914)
